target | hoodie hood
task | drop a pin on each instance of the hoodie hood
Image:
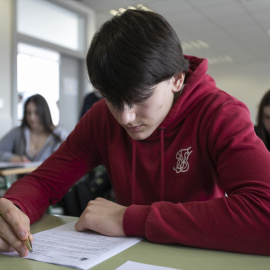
(197, 86)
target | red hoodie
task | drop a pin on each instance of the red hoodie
(175, 181)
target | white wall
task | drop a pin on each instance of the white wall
(247, 82)
(5, 66)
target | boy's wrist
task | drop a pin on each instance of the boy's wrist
(135, 219)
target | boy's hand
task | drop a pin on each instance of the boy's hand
(15, 159)
(14, 228)
(102, 216)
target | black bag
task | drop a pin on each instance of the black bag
(94, 184)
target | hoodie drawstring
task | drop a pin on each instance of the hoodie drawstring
(133, 184)
(162, 164)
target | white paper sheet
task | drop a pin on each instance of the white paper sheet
(129, 265)
(10, 165)
(63, 245)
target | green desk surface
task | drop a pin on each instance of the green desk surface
(174, 256)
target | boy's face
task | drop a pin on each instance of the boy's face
(142, 119)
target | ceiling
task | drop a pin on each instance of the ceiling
(232, 31)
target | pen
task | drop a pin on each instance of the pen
(27, 241)
(28, 244)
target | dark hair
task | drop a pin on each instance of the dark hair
(43, 112)
(130, 54)
(260, 129)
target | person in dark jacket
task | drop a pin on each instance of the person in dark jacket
(89, 100)
(262, 128)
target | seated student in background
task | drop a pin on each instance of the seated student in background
(37, 138)
(262, 128)
(185, 163)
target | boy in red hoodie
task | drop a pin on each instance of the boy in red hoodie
(182, 155)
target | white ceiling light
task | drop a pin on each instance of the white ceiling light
(122, 10)
(141, 6)
(194, 45)
(113, 12)
(219, 60)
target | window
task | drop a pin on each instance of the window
(47, 33)
(38, 73)
(49, 22)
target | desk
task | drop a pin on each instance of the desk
(174, 256)
(13, 171)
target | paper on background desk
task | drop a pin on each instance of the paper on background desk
(11, 165)
(65, 246)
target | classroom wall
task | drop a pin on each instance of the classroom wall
(5, 66)
(247, 82)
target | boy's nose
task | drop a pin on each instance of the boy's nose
(128, 115)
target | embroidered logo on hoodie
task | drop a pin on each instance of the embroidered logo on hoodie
(182, 160)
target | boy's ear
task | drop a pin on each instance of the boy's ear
(178, 81)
